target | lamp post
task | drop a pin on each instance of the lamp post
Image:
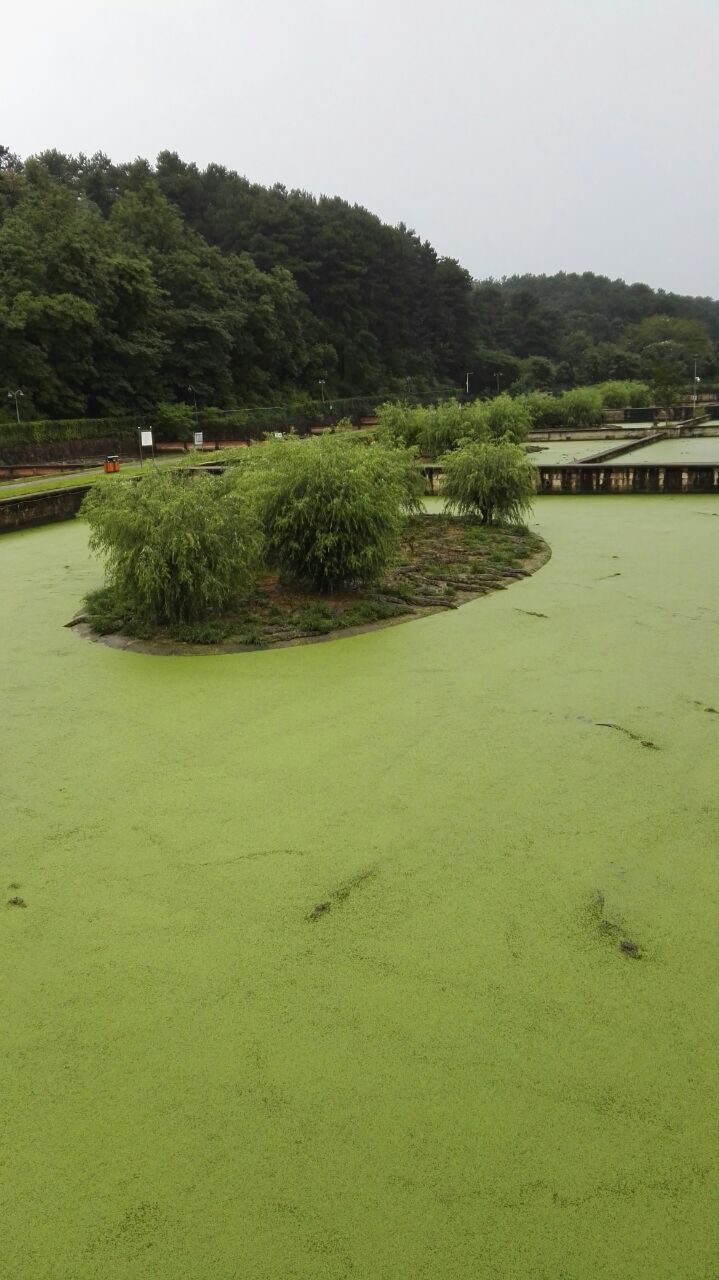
(498, 376)
(13, 395)
(322, 385)
(194, 400)
(696, 381)
(467, 376)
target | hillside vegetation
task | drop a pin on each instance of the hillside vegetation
(127, 285)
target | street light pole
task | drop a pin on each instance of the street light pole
(13, 395)
(498, 376)
(694, 397)
(194, 398)
(468, 375)
(322, 388)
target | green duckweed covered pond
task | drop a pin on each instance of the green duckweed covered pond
(696, 450)
(558, 452)
(453, 1072)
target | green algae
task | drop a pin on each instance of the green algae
(454, 1072)
(562, 452)
(691, 450)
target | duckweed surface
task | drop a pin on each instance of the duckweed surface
(559, 452)
(695, 451)
(320, 972)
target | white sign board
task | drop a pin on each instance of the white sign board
(199, 440)
(146, 439)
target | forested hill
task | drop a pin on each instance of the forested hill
(585, 328)
(125, 285)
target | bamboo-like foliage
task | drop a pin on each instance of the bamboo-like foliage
(438, 428)
(332, 509)
(445, 425)
(622, 392)
(399, 423)
(176, 548)
(503, 417)
(493, 482)
(581, 407)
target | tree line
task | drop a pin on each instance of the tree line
(123, 286)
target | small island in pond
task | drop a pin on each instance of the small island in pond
(443, 562)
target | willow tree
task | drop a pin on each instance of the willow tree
(176, 547)
(332, 509)
(490, 482)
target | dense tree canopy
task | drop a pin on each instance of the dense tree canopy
(566, 330)
(122, 286)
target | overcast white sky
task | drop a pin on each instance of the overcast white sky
(516, 135)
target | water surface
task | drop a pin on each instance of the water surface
(453, 1072)
(696, 450)
(561, 451)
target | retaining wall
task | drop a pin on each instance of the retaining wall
(33, 509)
(580, 478)
(575, 477)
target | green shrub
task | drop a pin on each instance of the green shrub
(366, 611)
(433, 429)
(624, 393)
(503, 417)
(399, 467)
(444, 426)
(400, 423)
(176, 548)
(332, 508)
(543, 409)
(494, 482)
(581, 407)
(104, 612)
(314, 617)
(172, 421)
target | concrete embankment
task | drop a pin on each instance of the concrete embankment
(31, 509)
(608, 478)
